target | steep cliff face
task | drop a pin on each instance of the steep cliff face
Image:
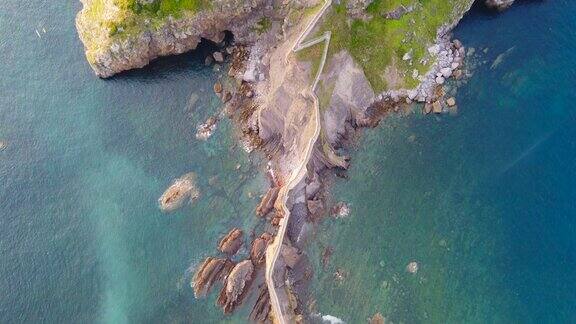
(499, 4)
(116, 41)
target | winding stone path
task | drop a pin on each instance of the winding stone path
(299, 172)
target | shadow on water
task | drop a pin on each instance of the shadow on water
(171, 66)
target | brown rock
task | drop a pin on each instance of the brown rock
(226, 97)
(261, 309)
(231, 243)
(316, 207)
(210, 271)
(451, 102)
(427, 108)
(267, 202)
(377, 319)
(437, 107)
(275, 221)
(218, 87)
(290, 255)
(258, 249)
(237, 285)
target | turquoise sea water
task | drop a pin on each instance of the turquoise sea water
(82, 238)
(484, 201)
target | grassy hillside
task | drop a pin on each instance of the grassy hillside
(378, 43)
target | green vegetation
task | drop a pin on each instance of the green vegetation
(378, 43)
(263, 25)
(102, 21)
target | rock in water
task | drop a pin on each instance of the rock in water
(412, 267)
(218, 87)
(451, 102)
(236, 286)
(210, 271)
(261, 309)
(437, 107)
(183, 188)
(267, 202)
(218, 57)
(258, 248)
(377, 319)
(231, 243)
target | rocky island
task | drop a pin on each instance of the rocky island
(308, 74)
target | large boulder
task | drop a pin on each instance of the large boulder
(210, 271)
(267, 202)
(231, 242)
(236, 286)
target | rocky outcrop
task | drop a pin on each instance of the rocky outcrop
(237, 285)
(231, 243)
(210, 271)
(499, 4)
(258, 248)
(261, 310)
(181, 189)
(110, 53)
(267, 202)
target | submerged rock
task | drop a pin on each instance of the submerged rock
(206, 129)
(231, 243)
(182, 189)
(341, 210)
(236, 286)
(412, 267)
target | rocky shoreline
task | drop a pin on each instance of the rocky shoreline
(263, 100)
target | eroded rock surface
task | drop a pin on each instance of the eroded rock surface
(236, 286)
(267, 202)
(231, 242)
(210, 271)
(181, 189)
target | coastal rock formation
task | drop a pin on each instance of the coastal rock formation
(236, 286)
(210, 271)
(351, 96)
(261, 309)
(499, 4)
(112, 47)
(181, 189)
(258, 248)
(267, 202)
(231, 243)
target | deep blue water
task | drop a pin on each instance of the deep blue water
(483, 200)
